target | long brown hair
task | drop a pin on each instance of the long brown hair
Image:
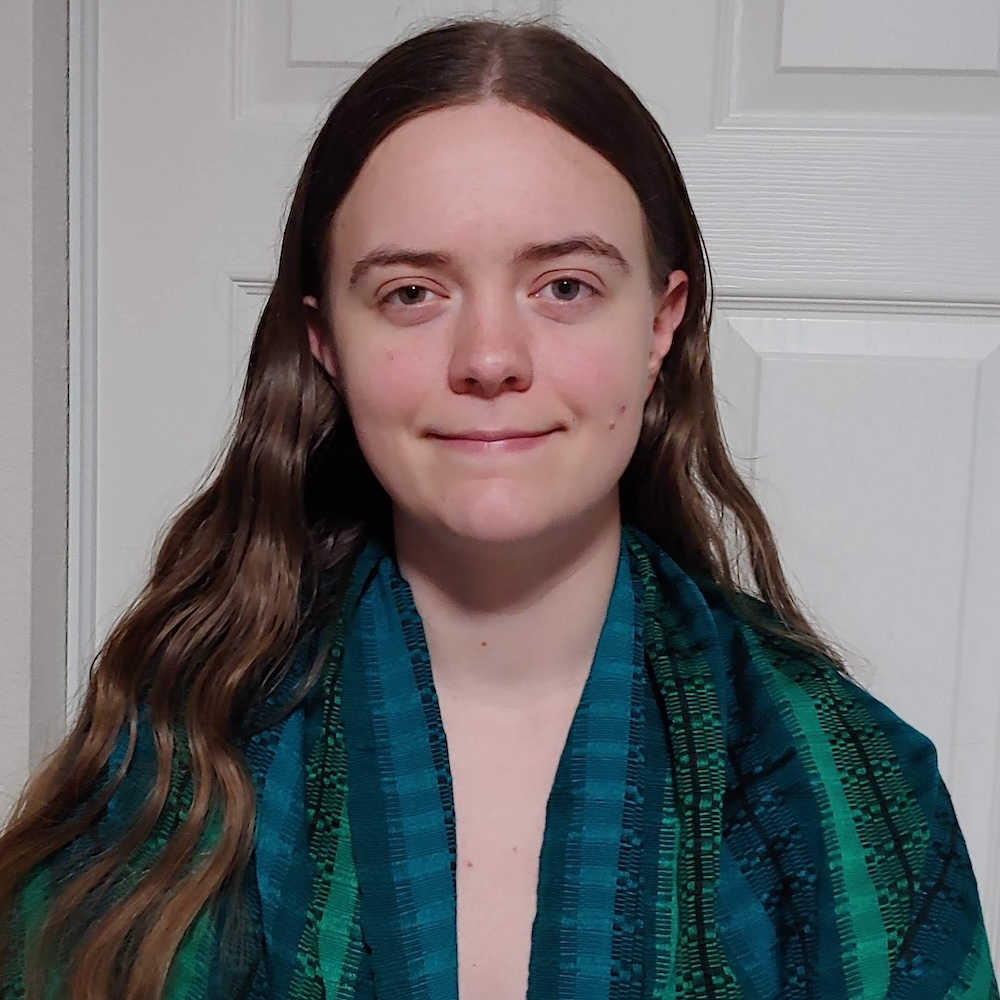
(236, 580)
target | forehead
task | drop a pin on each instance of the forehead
(481, 178)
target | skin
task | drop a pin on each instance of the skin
(511, 556)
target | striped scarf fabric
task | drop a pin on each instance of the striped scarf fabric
(731, 818)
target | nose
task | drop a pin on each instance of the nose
(491, 348)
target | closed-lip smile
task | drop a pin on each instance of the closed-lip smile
(498, 435)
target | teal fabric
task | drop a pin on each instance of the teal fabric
(402, 815)
(404, 851)
(731, 817)
(589, 866)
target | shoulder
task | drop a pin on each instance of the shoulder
(783, 697)
(780, 697)
(834, 796)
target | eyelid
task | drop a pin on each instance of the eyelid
(391, 288)
(592, 285)
(382, 296)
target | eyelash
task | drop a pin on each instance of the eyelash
(576, 281)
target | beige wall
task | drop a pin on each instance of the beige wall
(33, 384)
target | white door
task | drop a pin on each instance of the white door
(844, 158)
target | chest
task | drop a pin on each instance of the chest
(503, 768)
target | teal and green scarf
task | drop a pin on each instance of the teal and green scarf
(730, 818)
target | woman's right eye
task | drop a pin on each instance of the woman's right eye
(406, 295)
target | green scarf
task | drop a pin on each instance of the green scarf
(730, 818)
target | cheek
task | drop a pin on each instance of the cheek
(382, 378)
(383, 387)
(608, 391)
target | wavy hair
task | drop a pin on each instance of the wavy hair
(237, 578)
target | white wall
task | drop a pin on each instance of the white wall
(33, 384)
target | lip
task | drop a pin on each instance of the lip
(504, 434)
(493, 441)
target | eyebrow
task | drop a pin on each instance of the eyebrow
(533, 253)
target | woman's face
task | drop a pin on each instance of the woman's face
(489, 274)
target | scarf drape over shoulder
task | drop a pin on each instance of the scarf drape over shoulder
(731, 818)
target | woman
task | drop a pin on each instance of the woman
(447, 684)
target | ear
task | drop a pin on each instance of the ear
(320, 338)
(666, 319)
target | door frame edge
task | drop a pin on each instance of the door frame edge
(83, 374)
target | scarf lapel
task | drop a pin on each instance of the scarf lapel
(618, 887)
(399, 797)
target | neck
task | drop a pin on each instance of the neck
(513, 620)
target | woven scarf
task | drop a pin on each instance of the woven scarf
(730, 818)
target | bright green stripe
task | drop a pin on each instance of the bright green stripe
(35, 901)
(976, 980)
(865, 947)
(189, 971)
(900, 816)
(334, 928)
(666, 907)
(191, 968)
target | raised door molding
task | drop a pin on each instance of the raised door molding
(289, 60)
(817, 63)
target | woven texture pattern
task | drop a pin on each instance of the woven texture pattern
(731, 818)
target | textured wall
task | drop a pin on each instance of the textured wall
(33, 384)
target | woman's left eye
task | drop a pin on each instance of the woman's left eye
(569, 289)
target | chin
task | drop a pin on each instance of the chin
(497, 530)
(507, 514)
(508, 527)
